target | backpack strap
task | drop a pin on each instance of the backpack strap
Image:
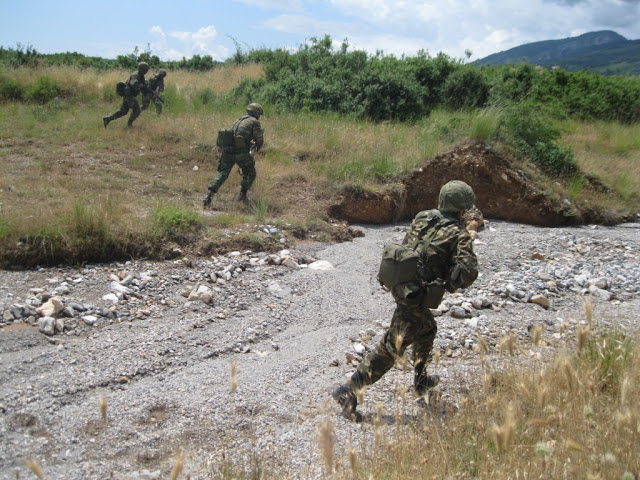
(237, 124)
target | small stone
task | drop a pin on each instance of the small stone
(540, 300)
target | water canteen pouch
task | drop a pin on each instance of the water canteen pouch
(120, 86)
(226, 138)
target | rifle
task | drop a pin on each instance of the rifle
(147, 91)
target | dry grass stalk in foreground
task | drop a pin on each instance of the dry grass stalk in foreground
(35, 467)
(551, 422)
(102, 402)
(233, 383)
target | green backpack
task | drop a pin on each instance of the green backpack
(400, 263)
(226, 138)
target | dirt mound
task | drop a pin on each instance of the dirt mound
(503, 191)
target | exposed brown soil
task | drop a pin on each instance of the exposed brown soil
(503, 191)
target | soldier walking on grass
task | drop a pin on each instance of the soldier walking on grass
(133, 87)
(156, 85)
(247, 138)
(447, 261)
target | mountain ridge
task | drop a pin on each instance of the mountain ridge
(605, 52)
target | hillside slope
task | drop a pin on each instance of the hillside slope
(603, 52)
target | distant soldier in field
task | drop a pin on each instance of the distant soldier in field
(248, 139)
(447, 262)
(133, 87)
(156, 84)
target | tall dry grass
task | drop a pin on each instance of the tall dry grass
(574, 417)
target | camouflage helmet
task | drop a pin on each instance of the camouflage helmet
(162, 72)
(455, 196)
(143, 66)
(255, 110)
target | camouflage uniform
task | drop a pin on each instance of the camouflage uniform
(247, 127)
(448, 262)
(451, 250)
(134, 86)
(156, 86)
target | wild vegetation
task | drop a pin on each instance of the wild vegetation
(72, 191)
(574, 418)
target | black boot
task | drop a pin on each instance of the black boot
(243, 197)
(106, 121)
(347, 397)
(206, 201)
(423, 382)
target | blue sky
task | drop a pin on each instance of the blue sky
(178, 28)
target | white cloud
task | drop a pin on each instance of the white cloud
(290, 5)
(175, 45)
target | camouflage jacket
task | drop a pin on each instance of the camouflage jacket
(156, 83)
(248, 127)
(449, 257)
(136, 83)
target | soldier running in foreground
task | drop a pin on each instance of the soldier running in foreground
(448, 262)
(133, 87)
(248, 138)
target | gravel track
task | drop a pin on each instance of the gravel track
(163, 363)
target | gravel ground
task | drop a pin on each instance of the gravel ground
(158, 341)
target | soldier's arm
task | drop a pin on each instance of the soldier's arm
(463, 269)
(258, 136)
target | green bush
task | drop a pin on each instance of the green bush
(205, 96)
(532, 133)
(43, 90)
(175, 222)
(465, 88)
(11, 90)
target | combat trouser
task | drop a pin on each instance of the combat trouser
(244, 160)
(146, 100)
(128, 102)
(412, 325)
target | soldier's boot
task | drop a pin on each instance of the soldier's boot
(347, 397)
(206, 201)
(423, 385)
(243, 196)
(106, 120)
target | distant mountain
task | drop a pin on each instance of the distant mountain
(603, 52)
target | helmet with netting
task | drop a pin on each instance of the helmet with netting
(255, 109)
(455, 196)
(162, 72)
(143, 66)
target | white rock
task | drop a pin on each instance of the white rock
(47, 325)
(290, 263)
(359, 348)
(320, 265)
(600, 293)
(50, 308)
(471, 322)
(59, 325)
(540, 300)
(110, 297)
(119, 288)
(89, 319)
(600, 283)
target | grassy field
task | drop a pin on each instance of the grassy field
(73, 191)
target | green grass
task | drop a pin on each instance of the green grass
(57, 154)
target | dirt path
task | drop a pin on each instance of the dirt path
(163, 363)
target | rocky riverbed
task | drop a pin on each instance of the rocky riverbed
(108, 370)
